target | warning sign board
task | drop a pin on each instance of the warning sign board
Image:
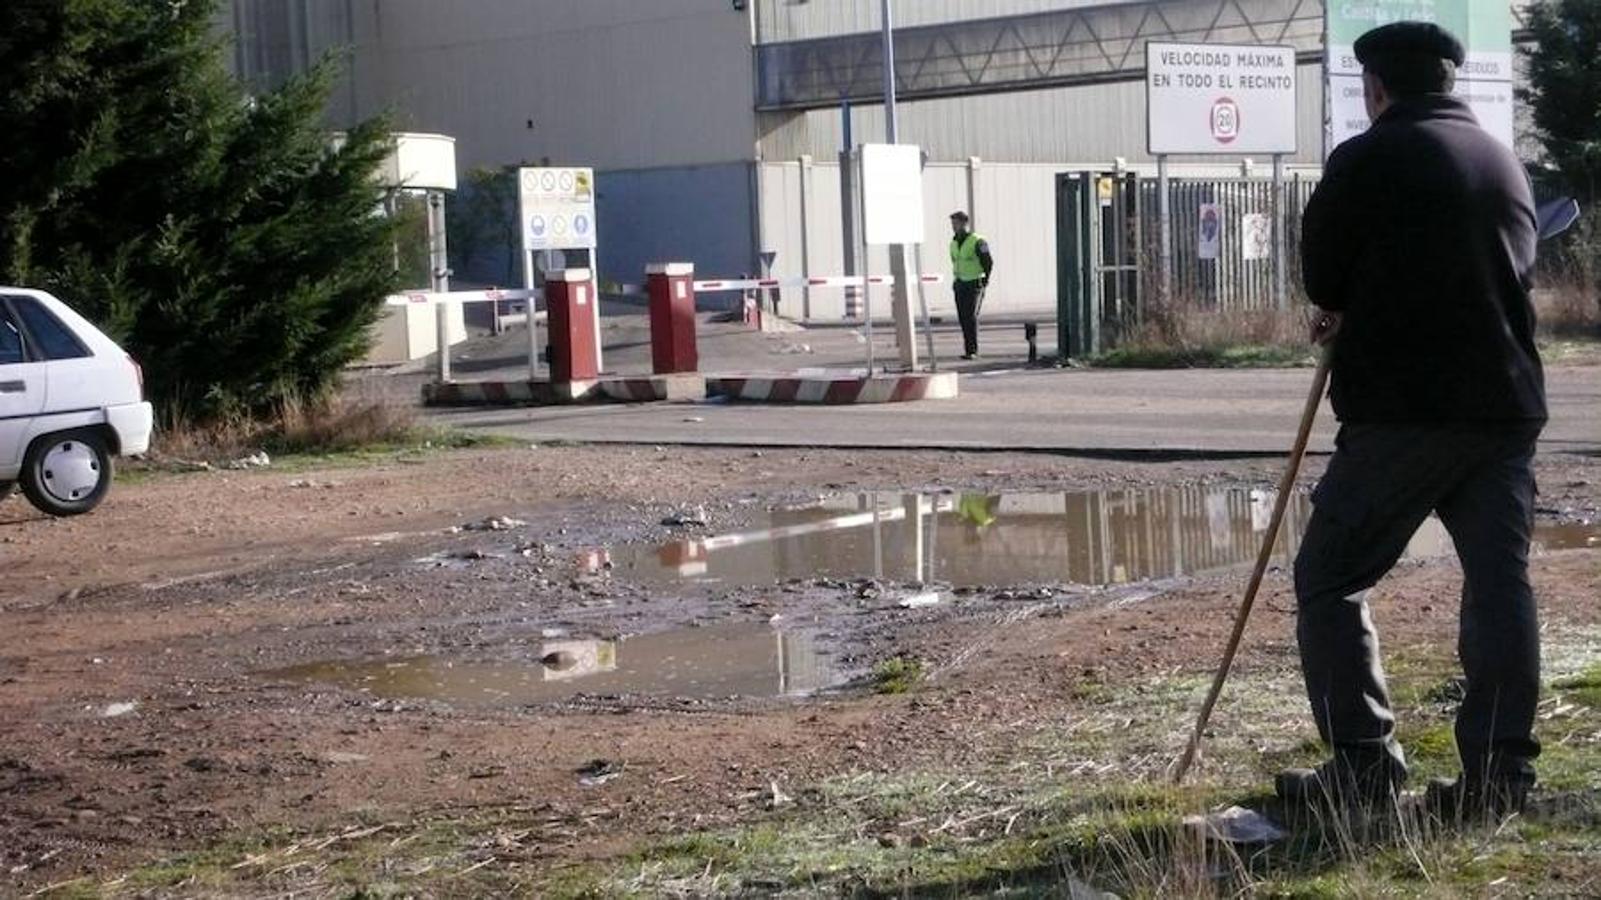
(557, 208)
(1256, 237)
(1219, 98)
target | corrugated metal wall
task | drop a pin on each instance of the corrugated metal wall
(787, 20)
(1093, 123)
(614, 84)
(698, 214)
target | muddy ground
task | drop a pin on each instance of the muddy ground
(145, 711)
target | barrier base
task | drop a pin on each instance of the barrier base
(643, 389)
(837, 390)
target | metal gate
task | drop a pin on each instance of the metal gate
(1230, 277)
(1100, 254)
(1108, 245)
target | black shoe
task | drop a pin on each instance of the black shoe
(1339, 786)
(1462, 802)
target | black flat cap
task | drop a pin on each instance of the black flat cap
(1400, 39)
(959, 216)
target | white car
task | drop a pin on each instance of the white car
(70, 401)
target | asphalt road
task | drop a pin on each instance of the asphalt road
(1211, 412)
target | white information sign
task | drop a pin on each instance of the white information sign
(892, 193)
(1256, 237)
(1210, 234)
(1219, 98)
(557, 208)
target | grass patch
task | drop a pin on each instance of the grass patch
(897, 675)
(1582, 688)
(1247, 356)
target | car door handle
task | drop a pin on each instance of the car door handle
(13, 387)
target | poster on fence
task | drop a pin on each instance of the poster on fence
(1256, 237)
(1211, 232)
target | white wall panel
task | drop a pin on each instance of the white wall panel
(1016, 211)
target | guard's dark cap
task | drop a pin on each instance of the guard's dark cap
(1403, 39)
(959, 216)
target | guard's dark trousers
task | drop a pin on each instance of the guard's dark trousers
(967, 294)
(1382, 483)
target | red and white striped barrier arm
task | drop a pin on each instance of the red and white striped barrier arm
(419, 298)
(837, 281)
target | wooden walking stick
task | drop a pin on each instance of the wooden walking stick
(1265, 556)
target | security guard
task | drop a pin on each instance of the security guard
(971, 265)
(1418, 248)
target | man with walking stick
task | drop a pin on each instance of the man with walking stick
(971, 265)
(1419, 249)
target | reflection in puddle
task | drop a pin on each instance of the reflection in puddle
(704, 663)
(1102, 538)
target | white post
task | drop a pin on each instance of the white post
(439, 281)
(806, 202)
(1281, 295)
(973, 164)
(594, 273)
(867, 289)
(1164, 215)
(531, 285)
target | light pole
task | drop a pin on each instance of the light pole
(892, 126)
(900, 292)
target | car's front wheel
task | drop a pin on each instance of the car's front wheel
(67, 474)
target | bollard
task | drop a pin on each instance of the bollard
(671, 288)
(1031, 333)
(572, 307)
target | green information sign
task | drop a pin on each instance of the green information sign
(1483, 26)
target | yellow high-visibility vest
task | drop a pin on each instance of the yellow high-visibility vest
(965, 264)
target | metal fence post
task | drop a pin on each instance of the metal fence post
(1164, 213)
(1281, 297)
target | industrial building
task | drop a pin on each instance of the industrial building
(716, 126)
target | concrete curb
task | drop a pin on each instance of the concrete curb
(837, 390)
(545, 393)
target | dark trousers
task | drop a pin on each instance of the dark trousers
(1383, 481)
(967, 294)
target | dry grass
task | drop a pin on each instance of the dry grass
(1184, 333)
(1568, 310)
(318, 427)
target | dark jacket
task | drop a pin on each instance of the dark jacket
(1422, 232)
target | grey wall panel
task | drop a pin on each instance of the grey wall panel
(669, 85)
(700, 215)
(1092, 123)
(607, 83)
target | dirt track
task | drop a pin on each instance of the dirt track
(184, 590)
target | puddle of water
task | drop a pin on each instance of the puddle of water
(703, 663)
(1100, 538)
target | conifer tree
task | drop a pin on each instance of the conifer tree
(231, 245)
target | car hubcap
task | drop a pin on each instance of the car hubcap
(71, 471)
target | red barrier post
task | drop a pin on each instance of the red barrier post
(573, 305)
(671, 287)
